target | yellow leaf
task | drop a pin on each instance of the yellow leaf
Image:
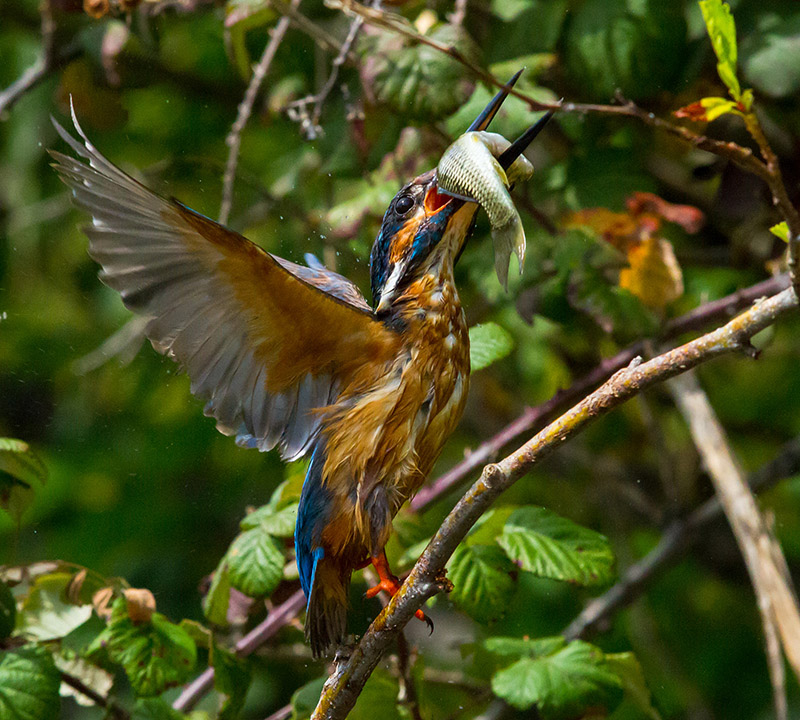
(654, 275)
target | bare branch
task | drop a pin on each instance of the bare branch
(234, 138)
(298, 110)
(277, 619)
(533, 417)
(49, 61)
(763, 557)
(425, 579)
(676, 540)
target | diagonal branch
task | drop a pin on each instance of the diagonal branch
(677, 539)
(426, 578)
(762, 554)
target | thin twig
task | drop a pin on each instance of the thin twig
(425, 579)
(277, 619)
(114, 710)
(282, 713)
(234, 139)
(298, 110)
(49, 61)
(675, 541)
(405, 663)
(762, 553)
(459, 13)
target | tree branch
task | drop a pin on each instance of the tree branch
(277, 619)
(113, 710)
(426, 578)
(234, 139)
(760, 549)
(677, 539)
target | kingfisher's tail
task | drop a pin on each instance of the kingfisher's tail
(326, 612)
(325, 582)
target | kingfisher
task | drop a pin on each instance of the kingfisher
(294, 357)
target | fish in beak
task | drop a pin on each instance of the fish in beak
(432, 216)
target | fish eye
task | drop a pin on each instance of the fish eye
(404, 204)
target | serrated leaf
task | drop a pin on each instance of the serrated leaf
(415, 80)
(722, 31)
(305, 698)
(216, 601)
(629, 671)
(155, 655)
(564, 684)
(488, 343)
(20, 471)
(551, 546)
(45, 613)
(232, 679)
(8, 611)
(29, 682)
(278, 523)
(781, 230)
(482, 583)
(523, 647)
(255, 563)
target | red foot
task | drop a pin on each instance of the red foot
(388, 581)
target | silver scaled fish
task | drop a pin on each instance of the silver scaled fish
(469, 170)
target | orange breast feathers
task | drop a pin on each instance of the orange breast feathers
(391, 434)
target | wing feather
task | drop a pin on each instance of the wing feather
(264, 341)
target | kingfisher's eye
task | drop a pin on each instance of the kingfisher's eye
(403, 205)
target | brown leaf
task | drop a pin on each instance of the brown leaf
(654, 275)
(620, 230)
(73, 590)
(690, 218)
(101, 601)
(140, 604)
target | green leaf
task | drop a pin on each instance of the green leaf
(523, 647)
(45, 613)
(771, 54)
(488, 343)
(155, 709)
(722, 31)
(551, 546)
(8, 611)
(216, 601)
(381, 691)
(305, 698)
(240, 17)
(563, 684)
(231, 678)
(155, 655)
(415, 80)
(255, 562)
(629, 671)
(482, 584)
(29, 682)
(781, 230)
(636, 46)
(279, 523)
(20, 471)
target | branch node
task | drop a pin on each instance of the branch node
(492, 474)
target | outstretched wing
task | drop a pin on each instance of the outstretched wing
(263, 340)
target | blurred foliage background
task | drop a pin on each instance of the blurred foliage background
(142, 486)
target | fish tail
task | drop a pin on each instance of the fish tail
(507, 238)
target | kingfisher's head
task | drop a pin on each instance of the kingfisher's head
(424, 225)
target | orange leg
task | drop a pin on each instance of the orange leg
(388, 581)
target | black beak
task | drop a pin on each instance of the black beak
(520, 144)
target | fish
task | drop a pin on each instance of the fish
(469, 170)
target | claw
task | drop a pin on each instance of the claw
(389, 582)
